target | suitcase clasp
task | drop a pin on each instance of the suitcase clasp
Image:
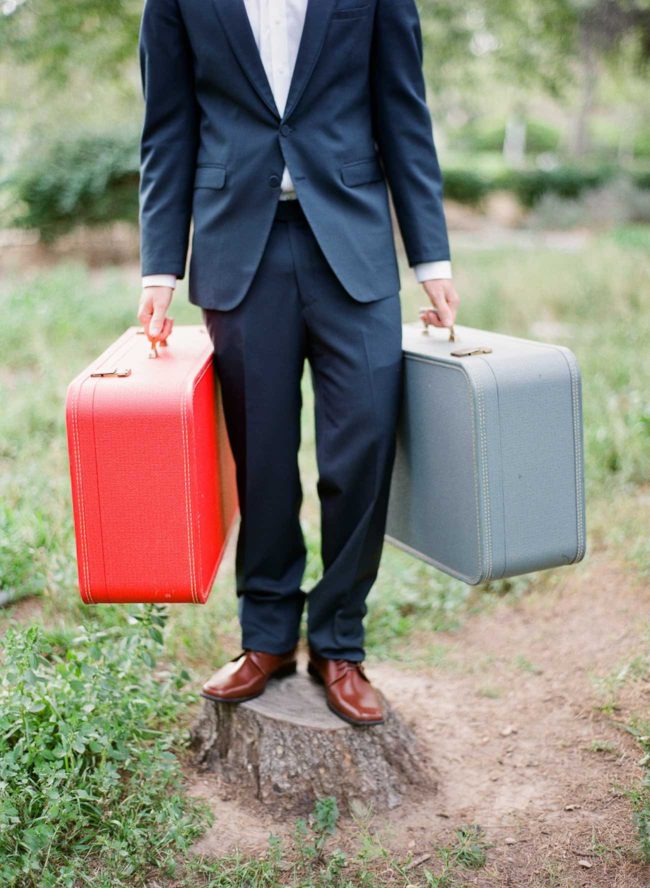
(477, 350)
(116, 371)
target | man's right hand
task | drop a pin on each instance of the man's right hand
(152, 311)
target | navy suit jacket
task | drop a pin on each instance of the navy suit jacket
(214, 144)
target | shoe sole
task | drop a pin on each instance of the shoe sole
(315, 674)
(282, 672)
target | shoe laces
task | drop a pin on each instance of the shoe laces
(344, 667)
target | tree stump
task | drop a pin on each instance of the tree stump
(286, 749)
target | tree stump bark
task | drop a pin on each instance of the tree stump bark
(286, 749)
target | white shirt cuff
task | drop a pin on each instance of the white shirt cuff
(159, 280)
(426, 271)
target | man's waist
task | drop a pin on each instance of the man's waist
(289, 209)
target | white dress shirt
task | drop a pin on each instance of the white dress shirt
(277, 27)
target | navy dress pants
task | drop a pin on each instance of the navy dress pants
(296, 309)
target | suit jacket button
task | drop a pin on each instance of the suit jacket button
(274, 181)
(285, 129)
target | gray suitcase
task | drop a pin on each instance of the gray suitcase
(488, 480)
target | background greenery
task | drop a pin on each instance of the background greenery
(535, 96)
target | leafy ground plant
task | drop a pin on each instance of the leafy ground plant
(88, 781)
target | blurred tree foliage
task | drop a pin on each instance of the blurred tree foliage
(560, 48)
(70, 100)
(535, 38)
(59, 36)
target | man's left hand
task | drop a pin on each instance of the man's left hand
(445, 301)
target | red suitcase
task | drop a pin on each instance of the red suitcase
(153, 477)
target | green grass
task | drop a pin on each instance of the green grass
(53, 323)
(88, 778)
(91, 789)
(312, 858)
(633, 673)
(640, 795)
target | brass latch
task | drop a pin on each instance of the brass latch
(116, 371)
(476, 350)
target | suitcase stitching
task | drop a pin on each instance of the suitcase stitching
(85, 574)
(483, 452)
(207, 368)
(463, 370)
(578, 459)
(77, 457)
(190, 539)
(195, 591)
(577, 456)
(502, 475)
(482, 446)
(475, 476)
(577, 448)
(472, 580)
(99, 510)
(200, 587)
(188, 488)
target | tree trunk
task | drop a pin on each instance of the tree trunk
(286, 749)
(589, 74)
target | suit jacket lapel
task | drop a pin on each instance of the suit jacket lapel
(311, 43)
(234, 19)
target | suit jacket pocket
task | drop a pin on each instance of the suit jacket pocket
(344, 12)
(360, 172)
(210, 176)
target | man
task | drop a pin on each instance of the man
(277, 125)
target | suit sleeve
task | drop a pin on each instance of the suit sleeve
(169, 139)
(403, 131)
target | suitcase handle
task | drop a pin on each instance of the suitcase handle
(155, 341)
(422, 311)
(459, 352)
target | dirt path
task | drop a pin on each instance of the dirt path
(513, 722)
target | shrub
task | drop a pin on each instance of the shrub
(465, 186)
(89, 180)
(531, 185)
(616, 203)
(641, 145)
(641, 178)
(565, 181)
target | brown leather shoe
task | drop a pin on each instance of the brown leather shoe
(246, 675)
(349, 692)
